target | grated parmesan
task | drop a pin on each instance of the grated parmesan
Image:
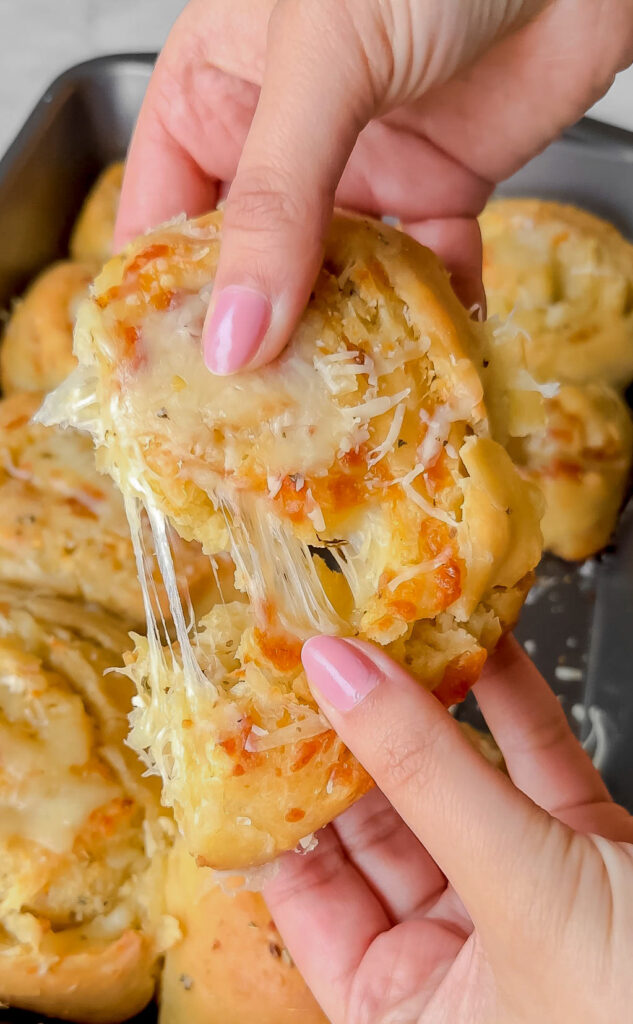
(417, 570)
(389, 442)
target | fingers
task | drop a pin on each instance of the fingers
(457, 242)
(388, 856)
(328, 917)
(281, 200)
(472, 821)
(398, 171)
(543, 757)
(195, 115)
(176, 185)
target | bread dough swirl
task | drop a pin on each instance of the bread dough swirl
(91, 239)
(63, 528)
(562, 281)
(81, 832)
(37, 343)
(231, 965)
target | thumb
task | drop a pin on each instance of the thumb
(315, 98)
(487, 837)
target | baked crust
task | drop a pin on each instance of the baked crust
(367, 443)
(231, 964)
(77, 935)
(566, 277)
(562, 280)
(63, 528)
(37, 344)
(581, 461)
(91, 239)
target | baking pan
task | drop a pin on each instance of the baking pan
(578, 621)
(82, 122)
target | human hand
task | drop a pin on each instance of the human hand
(395, 106)
(458, 895)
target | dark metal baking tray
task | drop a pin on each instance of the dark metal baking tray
(578, 624)
(82, 122)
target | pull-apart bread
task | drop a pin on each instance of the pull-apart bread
(562, 280)
(37, 342)
(63, 528)
(82, 833)
(91, 239)
(357, 483)
(230, 965)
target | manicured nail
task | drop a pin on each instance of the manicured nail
(339, 670)
(235, 329)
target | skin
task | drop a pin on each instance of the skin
(450, 893)
(454, 893)
(442, 99)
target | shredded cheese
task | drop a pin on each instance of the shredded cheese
(417, 570)
(423, 503)
(389, 442)
(377, 406)
(311, 724)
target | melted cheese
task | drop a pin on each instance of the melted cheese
(322, 448)
(48, 789)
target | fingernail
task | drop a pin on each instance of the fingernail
(339, 671)
(235, 329)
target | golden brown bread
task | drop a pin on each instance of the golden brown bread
(91, 239)
(249, 775)
(566, 278)
(36, 352)
(37, 344)
(562, 280)
(581, 461)
(231, 965)
(81, 831)
(366, 444)
(63, 528)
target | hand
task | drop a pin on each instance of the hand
(414, 109)
(458, 895)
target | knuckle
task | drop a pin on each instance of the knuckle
(410, 760)
(264, 201)
(384, 979)
(369, 832)
(354, 33)
(311, 874)
(547, 735)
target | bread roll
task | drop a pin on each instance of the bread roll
(37, 344)
(365, 447)
(566, 278)
(581, 461)
(91, 239)
(562, 280)
(231, 965)
(81, 832)
(63, 528)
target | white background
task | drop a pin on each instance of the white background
(40, 38)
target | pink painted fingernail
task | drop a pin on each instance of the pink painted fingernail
(339, 670)
(235, 329)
